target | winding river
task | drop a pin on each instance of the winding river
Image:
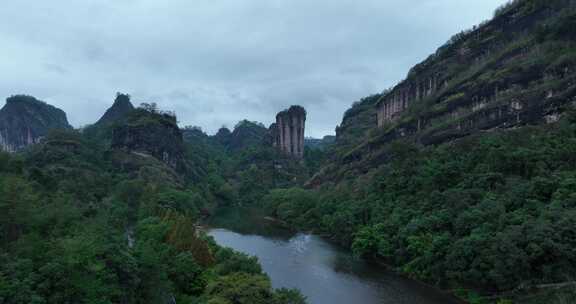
(322, 271)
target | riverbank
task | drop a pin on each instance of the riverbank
(324, 271)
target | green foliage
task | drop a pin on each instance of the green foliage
(289, 204)
(289, 296)
(187, 275)
(356, 123)
(76, 229)
(181, 201)
(494, 211)
(241, 288)
(373, 239)
(229, 261)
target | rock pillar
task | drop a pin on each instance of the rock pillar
(290, 126)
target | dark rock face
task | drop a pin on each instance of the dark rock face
(24, 121)
(515, 70)
(154, 134)
(504, 73)
(118, 112)
(289, 132)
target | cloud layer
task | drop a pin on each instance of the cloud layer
(219, 61)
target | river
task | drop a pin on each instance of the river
(322, 271)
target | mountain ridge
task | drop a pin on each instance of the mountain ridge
(514, 70)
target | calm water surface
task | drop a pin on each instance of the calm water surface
(323, 272)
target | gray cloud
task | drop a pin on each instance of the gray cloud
(216, 62)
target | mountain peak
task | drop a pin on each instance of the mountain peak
(25, 120)
(118, 111)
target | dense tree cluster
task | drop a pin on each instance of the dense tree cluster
(76, 229)
(492, 212)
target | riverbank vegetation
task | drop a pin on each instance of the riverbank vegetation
(495, 212)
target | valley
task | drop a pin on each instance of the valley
(456, 185)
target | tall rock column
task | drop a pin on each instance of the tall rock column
(290, 127)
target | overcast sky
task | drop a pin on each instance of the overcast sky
(216, 62)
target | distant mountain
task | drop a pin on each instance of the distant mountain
(247, 133)
(223, 136)
(25, 120)
(147, 132)
(118, 111)
(194, 135)
(319, 143)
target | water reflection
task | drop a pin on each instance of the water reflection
(249, 221)
(325, 273)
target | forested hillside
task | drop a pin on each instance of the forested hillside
(77, 227)
(463, 174)
(491, 212)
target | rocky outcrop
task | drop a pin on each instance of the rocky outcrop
(288, 132)
(154, 134)
(503, 73)
(515, 70)
(393, 104)
(118, 112)
(25, 120)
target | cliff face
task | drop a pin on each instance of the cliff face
(24, 121)
(288, 132)
(118, 112)
(150, 133)
(517, 69)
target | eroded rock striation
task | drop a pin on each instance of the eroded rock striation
(25, 120)
(516, 69)
(288, 132)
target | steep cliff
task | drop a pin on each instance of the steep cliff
(517, 69)
(151, 133)
(288, 132)
(24, 121)
(118, 111)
